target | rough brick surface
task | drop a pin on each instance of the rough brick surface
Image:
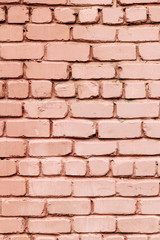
(79, 119)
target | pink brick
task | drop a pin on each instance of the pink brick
(1, 128)
(122, 167)
(94, 224)
(91, 109)
(18, 89)
(73, 128)
(65, 90)
(41, 15)
(154, 13)
(73, 51)
(2, 89)
(10, 108)
(93, 187)
(92, 71)
(150, 206)
(149, 51)
(12, 147)
(47, 2)
(117, 129)
(88, 15)
(111, 89)
(10, 69)
(75, 167)
(65, 15)
(11, 225)
(28, 128)
(95, 33)
(46, 109)
(112, 15)
(145, 168)
(138, 224)
(94, 148)
(154, 89)
(51, 166)
(111, 52)
(87, 89)
(7, 168)
(38, 148)
(29, 167)
(151, 128)
(18, 14)
(98, 166)
(47, 187)
(69, 206)
(12, 187)
(136, 14)
(2, 14)
(41, 89)
(135, 90)
(91, 2)
(114, 206)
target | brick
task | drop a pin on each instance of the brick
(1, 128)
(65, 90)
(9, 1)
(19, 237)
(93, 188)
(64, 15)
(69, 207)
(75, 167)
(138, 34)
(137, 237)
(151, 129)
(112, 15)
(51, 166)
(2, 89)
(12, 147)
(150, 206)
(18, 89)
(22, 207)
(22, 51)
(7, 168)
(11, 225)
(41, 15)
(149, 51)
(46, 70)
(91, 109)
(94, 224)
(154, 13)
(38, 148)
(136, 14)
(29, 167)
(135, 90)
(18, 14)
(95, 33)
(88, 89)
(137, 109)
(49, 187)
(44, 238)
(12, 187)
(41, 89)
(140, 71)
(73, 128)
(47, 32)
(10, 108)
(92, 71)
(46, 109)
(28, 128)
(91, 2)
(2, 14)
(122, 167)
(88, 15)
(114, 52)
(154, 89)
(116, 129)
(49, 225)
(11, 33)
(145, 168)
(128, 188)
(114, 237)
(138, 224)
(111, 89)
(128, 2)
(10, 69)
(98, 166)
(68, 237)
(94, 148)
(114, 206)
(91, 236)
(139, 147)
(47, 2)
(73, 51)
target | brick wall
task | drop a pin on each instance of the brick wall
(79, 120)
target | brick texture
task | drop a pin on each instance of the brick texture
(79, 119)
